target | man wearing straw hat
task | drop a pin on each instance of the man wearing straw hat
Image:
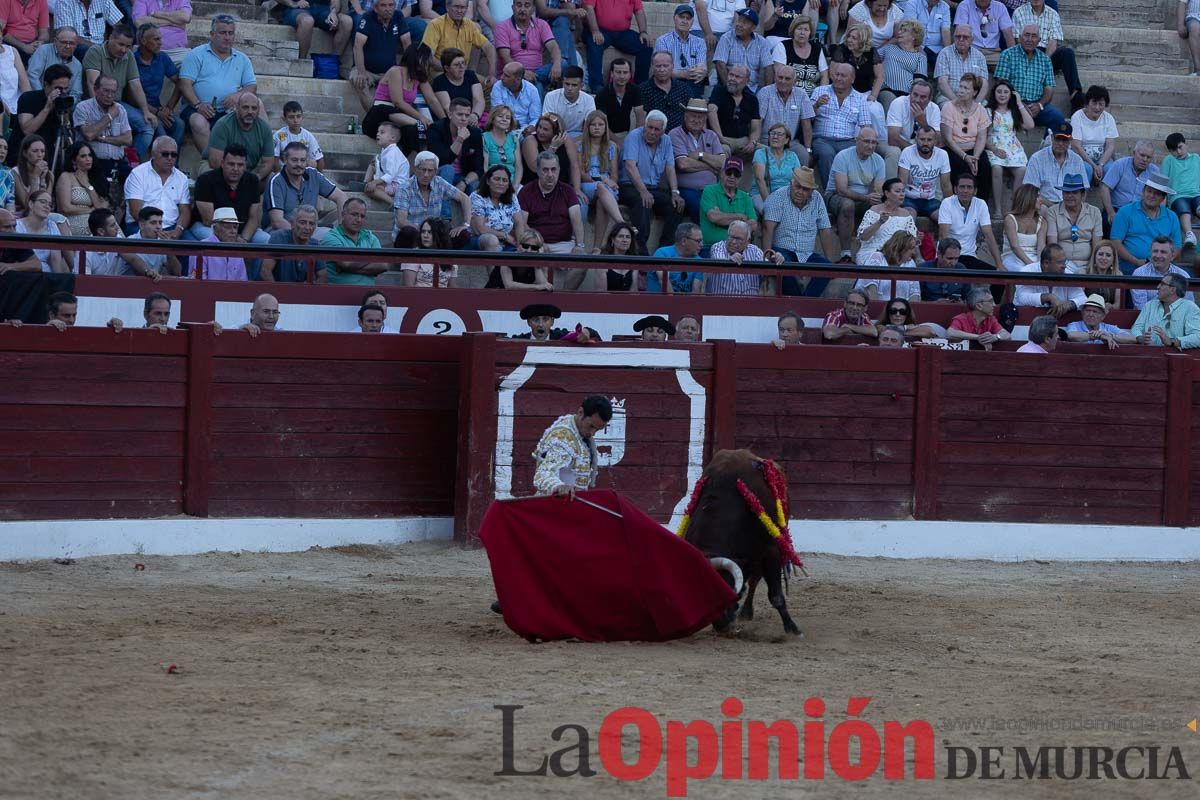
(1138, 223)
(225, 225)
(1092, 328)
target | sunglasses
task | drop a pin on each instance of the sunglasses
(897, 310)
(1074, 233)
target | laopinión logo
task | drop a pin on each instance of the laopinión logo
(736, 749)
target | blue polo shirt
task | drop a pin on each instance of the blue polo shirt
(213, 77)
(650, 163)
(1123, 183)
(1135, 230)
(154, 74)
(383, 40)
(681, 282)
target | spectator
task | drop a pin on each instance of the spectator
(884, 219)
(32, 172)
(687, 329)
(230, 186)
(548, 137)
(1032, 76)
(459, 146)
(723, 204)
(551, 207)
(453, 30)
(1050, 38)
(298, 184)
(937, 20)
(114, 60)
(434, 234)
(103, 122)
(965, 217)
(783, 103)
(1162, 250)
(501, 140)
(63, 308)
(1188, 24)
(524, 38)
(1093, 328)
(978, 324)
(317, 15)
(570, 103)
(852, 318)
(925, 173)
(621, 241)
(688, 241)
(520, 95)
(961, 59)
(879, 17)
(26, 25)
(349, 232)
(1095, 132)
(899, 316)
(156, 312)
(965, 126)
(773, 165)
(1024, 231)
(904, 61)
(158, 183)
(898, 252)
(264, 316)
(293, 130)
(743, 45)
(172, 18)
(389, 167)
(76, 196)
(1057, 298)
(779, 16)
(621, 100)
(948, 251)
(855, 184)
(458, 82)
(1122, 183)
(8, 185)
(1182, 169)
(225, 227)
(1003, 147)
(990, 24)
(790, 329)
(1049, 167)
(562, 16)
(599, 165)
(406, 97)
(102, 223)
(218, 71)
(715, 18)
(1170, 319)
(664, 93)
(648, 181)
(1104, 262)
(16, 259)
(60, 50)
(494, 211)
(248, 129)
(688, 52)
(905, 117)
(734, 115)
(802, 52)
(1043, 335)
(698, 153)
(654, 328)
(840, 113)
(891, 336)
(526, 278)
(1141, 221)
(610, 24)
(426, 194)
(857, 51)
(302, 230)
(793, 219)
(150, 224)
(1074, 224)
(378, 36)
(154, 67)
(370, 319)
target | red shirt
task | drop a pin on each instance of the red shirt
(838, 317)
(549, 214)
(966, 324)
(22, 21)
(614, 15)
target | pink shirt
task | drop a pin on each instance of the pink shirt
(22, 21)
(1030, 347)
(172, 37)
(221, 268)
(531, 55)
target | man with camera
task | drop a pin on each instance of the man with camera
(43, 111)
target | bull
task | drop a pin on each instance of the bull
(723, 523)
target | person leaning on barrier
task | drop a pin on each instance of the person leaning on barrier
(1170, 320)
(891, 336)
(64, 309)
(264, 316)
(1093, 328)
(1043, 335)
(978, 324)
(790, 327)
(687, 329)
(852, 317)
(302, 232)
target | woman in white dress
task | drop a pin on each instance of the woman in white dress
(885, 219)
(1024, 232)
(898, 252)
(13, 80)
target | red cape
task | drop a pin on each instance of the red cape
(565, 570)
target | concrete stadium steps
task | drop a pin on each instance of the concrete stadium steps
(1139, 50)
(1144, 14)
(250, 11)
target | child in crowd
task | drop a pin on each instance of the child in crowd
(389, 168)
(926, 238)
(1183, 168)
(293, 131)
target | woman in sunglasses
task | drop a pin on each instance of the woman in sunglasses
(528, 278)
(899, 314)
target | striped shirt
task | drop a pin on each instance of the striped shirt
(89, 23)
(757, 54)
(685, 53)
(1029, 75)
(1049, 23)
(836, 120)
(1193, 10)
(773, 108)
(953, 66)
(900, 67)
(796, 228)
(733, 283)
(934, 20)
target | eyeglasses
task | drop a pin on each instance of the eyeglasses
(170, 154)
(533, 247)
(696, 240)
(1074, 233)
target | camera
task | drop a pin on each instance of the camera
(63, 103)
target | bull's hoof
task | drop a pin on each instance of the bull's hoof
(746, 613)
(732, 632)
(790, 627)
(496, 607)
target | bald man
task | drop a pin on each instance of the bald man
(245, 127)
(264, 315)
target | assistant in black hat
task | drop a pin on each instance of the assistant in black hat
(654, 328)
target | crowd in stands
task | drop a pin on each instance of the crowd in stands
(881, 133)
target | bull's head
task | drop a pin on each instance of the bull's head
(731, 574)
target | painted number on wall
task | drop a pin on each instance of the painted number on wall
(442, 321)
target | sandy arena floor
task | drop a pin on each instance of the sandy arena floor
(367, 672)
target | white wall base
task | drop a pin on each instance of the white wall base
(184, 536)
(995, 541)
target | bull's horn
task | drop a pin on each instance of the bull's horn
(732, 568)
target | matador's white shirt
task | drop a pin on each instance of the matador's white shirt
(564, 457)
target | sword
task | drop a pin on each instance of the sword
(602, 508)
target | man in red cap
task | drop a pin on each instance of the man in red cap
(723, 203)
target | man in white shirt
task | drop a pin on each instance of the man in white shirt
(964, 217)
(570, 103)
(925, 170)
(158, 183)
(904, 118)
(1057, 298)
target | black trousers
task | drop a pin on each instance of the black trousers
(640, 217)
(983, 178)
